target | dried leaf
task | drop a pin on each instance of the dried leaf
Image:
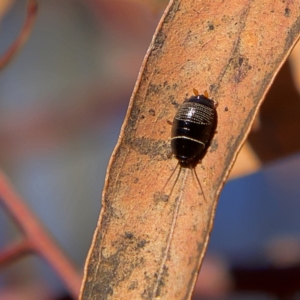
(142, 249)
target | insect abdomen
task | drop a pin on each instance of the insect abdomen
(193, 129)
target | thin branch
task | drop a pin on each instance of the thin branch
(32, 8)
(14, 251)
(37, 237)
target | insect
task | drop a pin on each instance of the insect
(193, 128)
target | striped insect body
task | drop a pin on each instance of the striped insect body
(193, 128)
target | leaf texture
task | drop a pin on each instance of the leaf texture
(150, 238)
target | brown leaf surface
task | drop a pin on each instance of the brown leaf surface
(142, 248)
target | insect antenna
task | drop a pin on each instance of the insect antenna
(194, 173)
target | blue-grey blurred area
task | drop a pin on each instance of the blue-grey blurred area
(256, 211)
(62, 103)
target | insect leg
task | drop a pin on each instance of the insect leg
(193, 171)
(171, 177)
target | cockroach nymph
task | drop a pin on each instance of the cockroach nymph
(193, 129)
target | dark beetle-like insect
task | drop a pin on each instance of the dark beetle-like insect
(193, 128)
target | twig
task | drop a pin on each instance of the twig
(36, 238)
(32, 8)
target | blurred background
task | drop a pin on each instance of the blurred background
(62, 103)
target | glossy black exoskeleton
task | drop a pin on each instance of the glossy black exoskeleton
(193, 128)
